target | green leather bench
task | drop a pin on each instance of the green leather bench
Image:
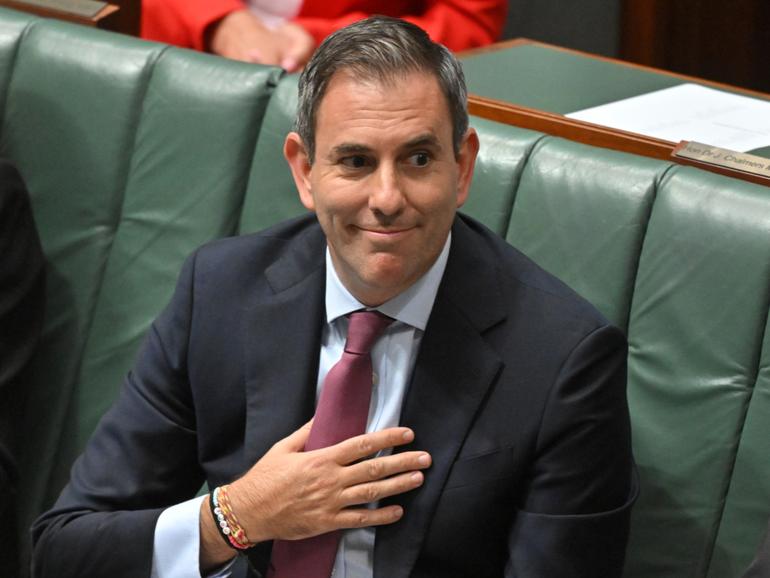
(135, 153)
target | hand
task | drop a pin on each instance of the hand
(290, 494)
(242, 36)
(297, 46)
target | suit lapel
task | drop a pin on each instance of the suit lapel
(283, 333)
(454, 369)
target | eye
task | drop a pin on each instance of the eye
(420, 159)
(354, 162)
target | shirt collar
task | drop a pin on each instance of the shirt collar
(412, 306)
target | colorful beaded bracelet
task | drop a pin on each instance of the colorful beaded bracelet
(227, 524)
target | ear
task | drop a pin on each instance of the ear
(466, 161)
(299, 163)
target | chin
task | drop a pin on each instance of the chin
(381, 285)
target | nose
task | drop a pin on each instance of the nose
(386, 197)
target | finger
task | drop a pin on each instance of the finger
(295, 442)
(362, 517)
(264, 55)
(289, 64)
(255, 55)
(378, 468)
(359, 447)
(374, 491)
(292, 56)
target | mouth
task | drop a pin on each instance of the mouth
(385, 233)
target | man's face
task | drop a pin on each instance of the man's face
(385, 182)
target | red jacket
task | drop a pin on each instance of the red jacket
(459, 24)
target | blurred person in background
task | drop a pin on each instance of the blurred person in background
(285, 33)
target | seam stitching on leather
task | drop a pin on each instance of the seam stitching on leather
(517, 182)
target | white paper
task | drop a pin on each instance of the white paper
(689, 112)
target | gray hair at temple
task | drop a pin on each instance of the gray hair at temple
(379, 48)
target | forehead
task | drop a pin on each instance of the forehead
(370, 109)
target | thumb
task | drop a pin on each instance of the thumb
(289, 64)
(291, 58)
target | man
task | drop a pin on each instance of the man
(22, 301)
(285, 32)
(497, 436)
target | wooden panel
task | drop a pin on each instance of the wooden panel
(118, 16)
(83, 12)
(128, 18)
(724, 41)
(562, 126)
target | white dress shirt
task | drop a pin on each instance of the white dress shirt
(176, 541)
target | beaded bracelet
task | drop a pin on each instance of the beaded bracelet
(227, 524)
(237, 530)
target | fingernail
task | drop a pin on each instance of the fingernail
(408, 435)
(416, 477)
(398, 512)
(424, 460)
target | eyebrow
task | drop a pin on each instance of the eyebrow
(423, 140)
(349, 149)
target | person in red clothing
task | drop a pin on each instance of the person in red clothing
(286, 32)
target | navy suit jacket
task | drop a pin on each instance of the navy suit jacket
(518, 393)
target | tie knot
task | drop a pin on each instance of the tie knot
(364, 329)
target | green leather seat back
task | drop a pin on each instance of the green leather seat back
(76, 176)
(697, 321)
(134, 154)
(189, 165)
(681, 259)
(503, 152)
(12, 26)
(581, 213)
(271, 196)
(746, 506)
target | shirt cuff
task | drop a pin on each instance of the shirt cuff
(176, 545)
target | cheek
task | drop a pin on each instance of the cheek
(440, 207)
(339, 199)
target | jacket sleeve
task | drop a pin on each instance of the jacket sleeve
(574, 519)
(458, 24)
(183, 22)
(141, 459)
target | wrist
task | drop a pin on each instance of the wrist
(241, 495)
(213, 551)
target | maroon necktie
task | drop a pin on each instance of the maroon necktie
(341, 413)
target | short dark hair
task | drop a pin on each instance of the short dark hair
(379, 48)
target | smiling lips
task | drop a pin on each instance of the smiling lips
(385, 233)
